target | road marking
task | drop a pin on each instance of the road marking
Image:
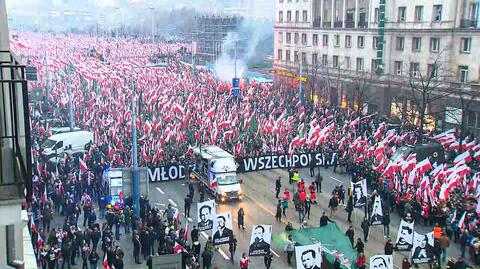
(172, 202)
(160, 190)
(190, 219)
(223, 254)
(278, 256)
(160, 204)
(204, 234)
(336, 180)
(183, 184)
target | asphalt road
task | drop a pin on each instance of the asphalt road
(259, 204)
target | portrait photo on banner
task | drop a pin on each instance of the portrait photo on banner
(309, 257)
(422, 250)
(381, 262)
(405, 236)
(359, 192)
(260, 240)
(205, 215)
(377, 213)
(222, 228)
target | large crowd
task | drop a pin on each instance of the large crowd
(179, 108)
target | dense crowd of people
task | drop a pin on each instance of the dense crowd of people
(179, 108)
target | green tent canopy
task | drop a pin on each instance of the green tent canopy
(334, 243)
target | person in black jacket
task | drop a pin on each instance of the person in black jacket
(386, 224)
(278, 186)
(349, 208)
(359, 246)
(188, 203)
(388, 249)
(351, 234)
(93, 258)
(324, 220)
(365, 227)
(194, 234)
(136, 248)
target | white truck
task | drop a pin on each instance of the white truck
(217, 170)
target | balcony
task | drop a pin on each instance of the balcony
(327, 24)
(468, 24)
(337, 24)
(349, 24)
(15, 154)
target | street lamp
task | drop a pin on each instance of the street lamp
(136, 196)
(153, 26)
(300, 82)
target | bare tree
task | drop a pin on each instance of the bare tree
(466, 97)
(425, 89)
(360, 91)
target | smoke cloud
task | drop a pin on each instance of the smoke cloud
(252, 41)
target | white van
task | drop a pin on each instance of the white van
(72, 141)
(61, 130)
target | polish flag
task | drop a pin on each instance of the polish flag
(83, 165)
(44, 195)
(463, 157)
(177, 248)
(185, 234)
(461, 222)
(477, 155)
(355, 122)
(32, 225)
(424, 166)
(39, 242)
(210, 112)
(105, 262)
(410, 163)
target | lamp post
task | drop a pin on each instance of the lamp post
(153, 26)
(136, 194)
(300, 73)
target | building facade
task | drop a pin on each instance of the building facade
(15, 157)
(385, 43)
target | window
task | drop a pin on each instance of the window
(375, 42)
(376, 15)
(360, 64)
(324, 59)
(287, 55)
(304, 57)
(434, 44)
(305, 16)
(304, 39)
(402, 13)
(297, 16)
(314, 59)
(398, 68)
(281, 1)
(400, 43)
(279, 54)
(466, 45)
(360, 42)
(295, 38)
(335, 61)
(295, 57)
(315, 39)
(437, 13)
(289, 38)
(336, 40)
(414, 69)
(348, 41)
(374, 65)
(280, 37)
(416, 44)
(432, 71)
(418, 13)
(280, 16)
(289, 16)
(325, 40)
(347, 63)
(463, 74)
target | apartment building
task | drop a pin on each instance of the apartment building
(15, 159)
(385, 41)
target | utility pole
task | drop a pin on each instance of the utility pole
(300, 82)
(70, 97)
(153, 26)
(136, 195)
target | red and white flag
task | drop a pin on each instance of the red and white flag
(185, 234)
(83, 165)
(105, 262)
(463, 157)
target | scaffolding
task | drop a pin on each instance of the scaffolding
(211, 32)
